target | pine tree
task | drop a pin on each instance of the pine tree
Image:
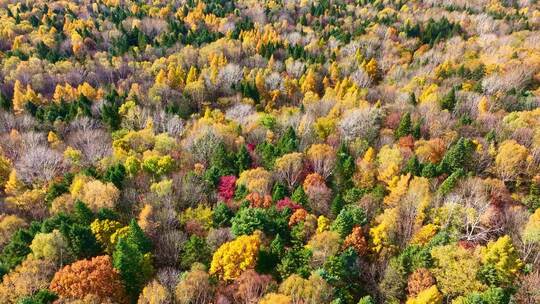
(128, 260)
(81, 240)
(300, 197)
(243, 159)
(337, 205)
(288, 142)
(405, 126)
(279, 192)
(5, 103)
(457, 157)
(344, 169)
(450, 182)
(417, 130)
(412, 99)
(137, 237)
(221, 215)
(449, 100)
(222, 160)
(115, 174)
(82, 214)
(413, 166)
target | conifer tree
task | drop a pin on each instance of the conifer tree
(405, 126)
(243, 159)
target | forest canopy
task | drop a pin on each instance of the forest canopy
(277, 151)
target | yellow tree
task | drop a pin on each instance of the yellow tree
(455, 269)
(18, 97)
(431, 295)
(511, 160)
(364, 177)
(382, 235)
(233, 257)
(389, 162)
(312, 290)
(154, 293)
(103, 230)
(309, 81)
(255, 180)
(502, 255)
(5, 170)
(275, 298)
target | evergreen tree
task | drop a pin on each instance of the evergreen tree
(417, 130)
(347, 218)
(82, 214)
(268, 153)
(115, 174)
(128, 260)
(222, 160)
(243, 159)
(337, 205)
(457, 157)
(430, 170)
(449, 100)
(413, 166)
(195, 250)
(300, 197)
(44, 296)
(221, 215)
(5, 103)
(279, 191)
(366, 300)
(405, 126)
(450, 182)
(107, 214)
(288, 142)
(344, 169)
(137, 237)
(295, 260)
(412, 99)
(81, 241)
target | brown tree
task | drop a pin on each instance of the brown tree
(89, 277)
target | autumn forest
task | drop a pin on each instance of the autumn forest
(270, 152)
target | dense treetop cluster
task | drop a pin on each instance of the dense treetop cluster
(272, 152)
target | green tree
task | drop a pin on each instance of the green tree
(413, 166)
(115, 174)
(130, 263)
(337, 205)
(44, 296)
(347, 218)
(243, 159)
(137, 237)
(344, 169)
(450, 182)
(5, 103)
(82, 214)
(449, 100)
(300, 197)
(223, 160)
(279, 192)
(221, 215)
(248, 220)
(458, 156)
(18, 247)
(195, 250)
(288, 142)
(366, 300)
(296, 260)
(405, 126)
(81, 240)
